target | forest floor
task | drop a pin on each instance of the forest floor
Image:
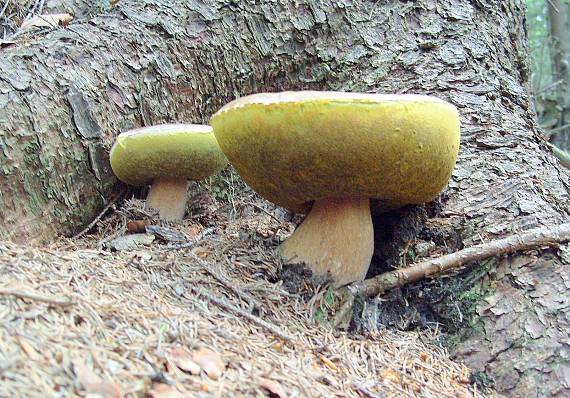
(197, 309)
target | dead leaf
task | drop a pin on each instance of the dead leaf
(160, 390)
(210, 361)
(182, 358)
(47, 20)
(390, 375)
(201, 252)
(274, 388)
(194, 230)
(137, 226)
(93, 384)
(278, 346)
(463, 394)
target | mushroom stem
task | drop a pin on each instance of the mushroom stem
(168, 196)
(335, 241)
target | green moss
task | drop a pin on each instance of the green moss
(33, 200)
(483, 380)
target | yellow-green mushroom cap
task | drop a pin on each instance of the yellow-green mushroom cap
(297, 147)
(187, 151)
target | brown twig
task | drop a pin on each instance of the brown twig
(258, 321)
(281, 223)
(209, 268)
(101, 214)
(64, 302)
(535, 238)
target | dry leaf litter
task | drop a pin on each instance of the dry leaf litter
(194, 309)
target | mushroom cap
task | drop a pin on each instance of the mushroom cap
(170, 150)
(297, 147)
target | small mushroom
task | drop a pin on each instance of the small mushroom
(330, 153)
(166, 156)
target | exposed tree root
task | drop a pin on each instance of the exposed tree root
(532, 239)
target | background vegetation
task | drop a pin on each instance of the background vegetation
(549, 36)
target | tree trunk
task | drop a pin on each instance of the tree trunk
(559, 18)
(64, 97)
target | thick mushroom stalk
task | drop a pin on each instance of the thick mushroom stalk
(168, 196)
(335, 241)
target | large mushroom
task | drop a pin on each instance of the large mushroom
(166, 157)
(330, 153)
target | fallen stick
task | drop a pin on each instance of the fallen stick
(532, 239)
(244, 314)
(101, 214)
(63, 302)
(209, 268)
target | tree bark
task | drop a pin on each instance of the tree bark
(559, 18)
(65, 96)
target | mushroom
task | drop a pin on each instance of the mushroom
(166, 156)
(330, 153)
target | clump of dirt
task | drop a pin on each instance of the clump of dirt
(296, 278)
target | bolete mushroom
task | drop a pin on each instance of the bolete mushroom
(166, 156)
(330, 153)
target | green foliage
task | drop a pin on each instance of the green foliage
(539, 40)
(546, 89)
(325, 307)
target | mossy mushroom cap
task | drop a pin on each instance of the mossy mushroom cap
(297, 147)
(187, 151)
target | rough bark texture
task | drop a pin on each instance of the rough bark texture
(63, 98)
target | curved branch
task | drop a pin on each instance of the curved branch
(533, 239)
